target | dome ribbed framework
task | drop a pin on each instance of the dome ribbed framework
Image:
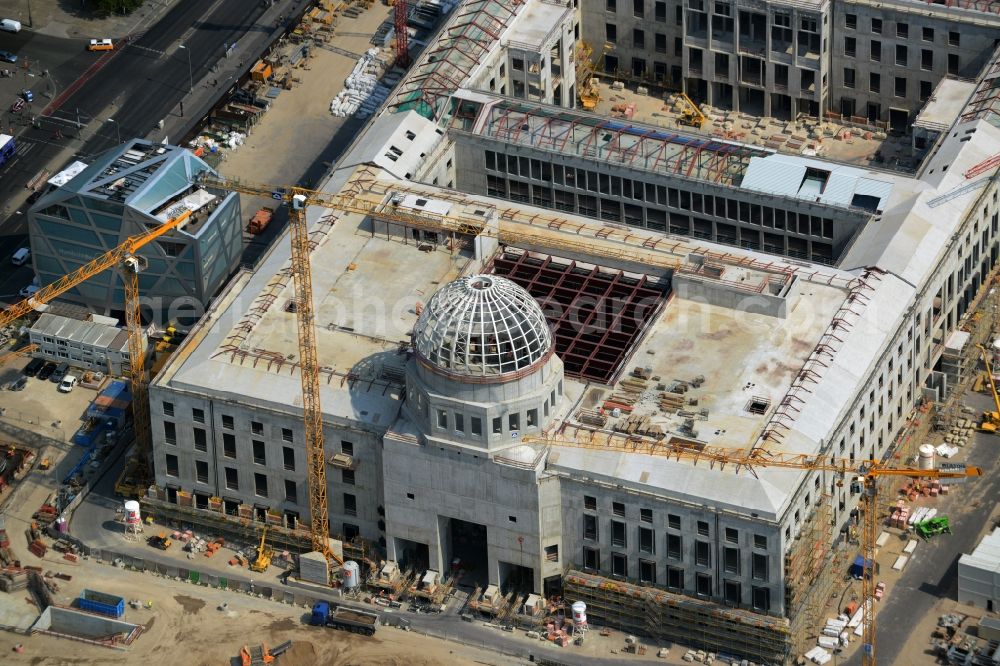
(482, 326)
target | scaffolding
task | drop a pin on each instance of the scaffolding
(810, 567)
(448, 63)
(676, 618)
(630, 144)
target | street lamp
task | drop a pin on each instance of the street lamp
(118, 131)
(190, 71)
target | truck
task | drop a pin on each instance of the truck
(346, 619)
(101, 603)
(260, 220)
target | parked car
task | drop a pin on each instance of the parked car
(10, 25)
(67, 383)
(59, 373)
(7, 56)
(34, 365)
(27, 95)
(29, 291)
(47, 370)
(18, 384)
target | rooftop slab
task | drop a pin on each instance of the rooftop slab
(366, 292)
(738, 357)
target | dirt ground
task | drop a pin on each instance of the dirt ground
(298, 128)
(188, 617)
(860, 149)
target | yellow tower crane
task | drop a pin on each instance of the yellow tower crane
(23, 351)
(130, 264)
(867, 471)
(991, 420)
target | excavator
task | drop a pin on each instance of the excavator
(264, 554)
(991, 420)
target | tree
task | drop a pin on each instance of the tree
(118, 6)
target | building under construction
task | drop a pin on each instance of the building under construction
(515, 272)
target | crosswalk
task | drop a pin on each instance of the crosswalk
(22, 148)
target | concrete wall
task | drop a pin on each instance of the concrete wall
(426, 486)
(436, 403)
(728, 296)
(681, 206)
(667, 517)
(275, 427)
(723, 53)
(73, 623)
(956, 42)
(978, 586)
(684, 46)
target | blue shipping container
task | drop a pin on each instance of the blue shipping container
(103, 604)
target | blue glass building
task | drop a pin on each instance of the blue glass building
(124, 192)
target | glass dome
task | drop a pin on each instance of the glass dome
(482, 326)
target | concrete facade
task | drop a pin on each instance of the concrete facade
(660, 202)
(874, 62)
(212, 448)
(860, 300)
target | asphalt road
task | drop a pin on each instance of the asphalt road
(933, 572)
(139, 85)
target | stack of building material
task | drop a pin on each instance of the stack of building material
(46, 514)
(900, 517)
(313, 568)
(362, 93)
(834, 627)
(13, 580)
(818, 656)
(38, 548)
(637, 424)
(591, 417)
(671, 402)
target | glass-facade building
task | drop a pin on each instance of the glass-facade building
(124, 192)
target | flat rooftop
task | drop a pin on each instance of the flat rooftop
(537, 24)
(830, 138)
(367, 290)
(739, 356)
(733, 367)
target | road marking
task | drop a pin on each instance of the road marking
(156, 52)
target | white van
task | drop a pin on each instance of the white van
(20, 258)
(10, 25)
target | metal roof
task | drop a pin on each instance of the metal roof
(814, 180)
(986, 556)
(85, 332)
(447, 63)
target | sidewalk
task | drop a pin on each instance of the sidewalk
(195, 106)
(58, 18)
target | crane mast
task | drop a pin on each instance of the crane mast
(868, 470)
(126, 258)
(312, 411)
